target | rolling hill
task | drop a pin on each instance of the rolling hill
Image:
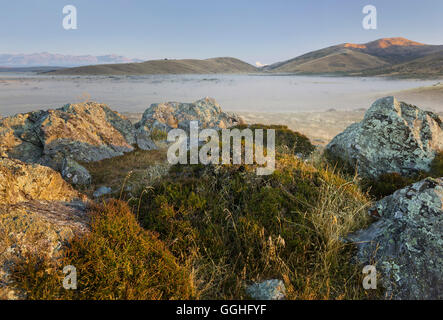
(424, 67)
(387, 56)
(338, 60)
(185, 66)
(398, 57)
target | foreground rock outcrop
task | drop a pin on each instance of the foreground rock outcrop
(392, 137)
(76, 132)
(407, 241)
(170, 115)
(39, 211)
(21, 182)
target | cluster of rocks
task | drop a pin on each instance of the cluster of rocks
(406, 241)
(63, 137)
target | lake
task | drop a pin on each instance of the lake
(252, 93)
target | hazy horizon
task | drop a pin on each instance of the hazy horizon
(261, 31)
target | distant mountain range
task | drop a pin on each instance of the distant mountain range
(397, 57)
(388, 56)
(59, 60)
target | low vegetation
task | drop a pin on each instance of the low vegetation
(437, 165)
(130, 170)
(117, 259)
(286, 140)
(239, 228)
(158, 134)
(206, 232)
(388, 183)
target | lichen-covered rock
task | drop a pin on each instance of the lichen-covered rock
(407, 241)
(35, 228)
(392, 137)
(21, 182)
(75, 173)
(144, 141)
(273, 289)
(166, 116)
(82, 132)
(38, 212)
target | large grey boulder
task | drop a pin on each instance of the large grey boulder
(170, 115)
(76, 132)
(392, 137)
(407, 241)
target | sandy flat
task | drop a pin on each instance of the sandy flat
(322, 126)
(319, 127)
(431, 95)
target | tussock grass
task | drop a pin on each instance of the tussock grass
(117, 259)
(132, 169)
(237, 228)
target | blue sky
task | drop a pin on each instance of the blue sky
(259, 30)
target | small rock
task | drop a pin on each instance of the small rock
(102, 191)
(144, 142)
(273, 289)
(75, 173)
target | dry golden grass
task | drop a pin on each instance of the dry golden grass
(117, 259)
(237, 228)
(133, 169)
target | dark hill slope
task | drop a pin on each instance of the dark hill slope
(186, 66)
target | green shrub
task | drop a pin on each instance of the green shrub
(117, 259)
(286, 140)
(437, 165)
(386, 184)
